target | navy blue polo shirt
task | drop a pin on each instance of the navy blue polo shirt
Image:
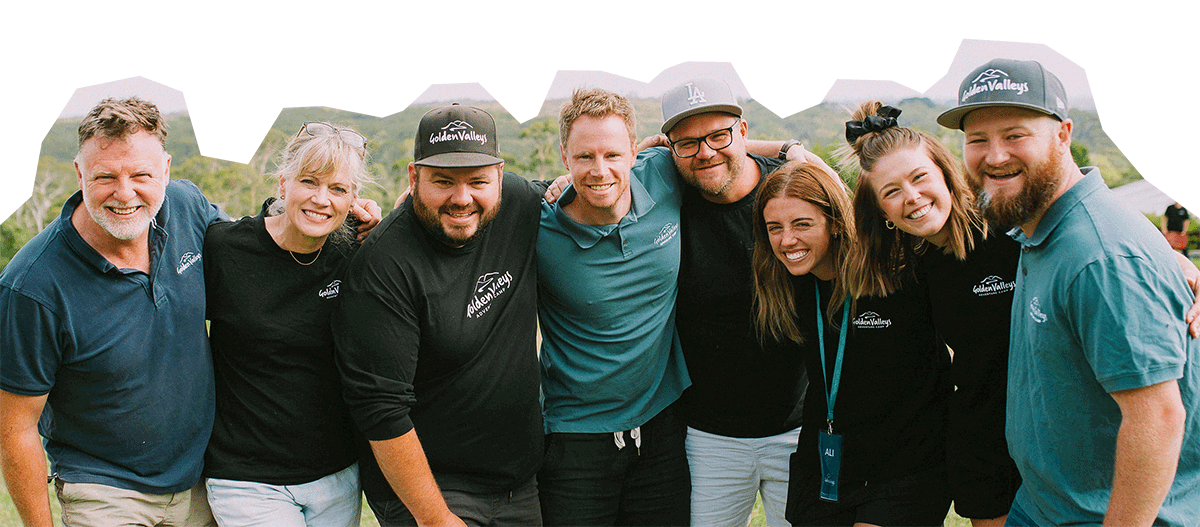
(122, 354)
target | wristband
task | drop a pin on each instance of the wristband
(787, 145)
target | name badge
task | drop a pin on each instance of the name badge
(830, 446)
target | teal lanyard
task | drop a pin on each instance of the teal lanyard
(831, 390)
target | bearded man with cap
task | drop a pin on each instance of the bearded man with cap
(436, 332)
(1101, 373)
(744, 406)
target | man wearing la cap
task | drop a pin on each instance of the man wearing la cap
(1101, 374)
(744, 406)
(435, 334)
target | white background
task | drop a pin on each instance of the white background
(238, 63)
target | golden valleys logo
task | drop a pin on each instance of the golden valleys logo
(871, 320)
(458, 130)
(993, 79)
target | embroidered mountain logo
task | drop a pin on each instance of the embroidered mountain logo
(870, 320)
(1035, 311)
(668, 231)
(186, 261)
(331, 290)
(458, 130)
(695, 96)
(993, 80)
(993, 285)
(488, 288)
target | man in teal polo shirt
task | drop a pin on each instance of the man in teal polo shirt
(1101, 372)
(612, 367)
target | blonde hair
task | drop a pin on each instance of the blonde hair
(774, 299)
(597, 103)
(884, 258)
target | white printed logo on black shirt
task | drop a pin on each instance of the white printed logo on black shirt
(488, 288)
(871, 320)
(993, 285)
(331, 290)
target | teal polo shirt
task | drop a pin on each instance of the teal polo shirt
(1099, 307)
(611, 358)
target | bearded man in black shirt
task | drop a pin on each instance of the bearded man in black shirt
(436, 332)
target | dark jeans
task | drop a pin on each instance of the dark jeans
(587, 480)
(519, 507)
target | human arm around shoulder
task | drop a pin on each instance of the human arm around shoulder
(794, 152)
(1192, 275)
(1148, 446)
(22, 458)
(402, 461)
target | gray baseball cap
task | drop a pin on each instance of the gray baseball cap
(1006, 82)
(697, 96)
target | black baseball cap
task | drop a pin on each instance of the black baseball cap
(456, 136)
(1006, 82)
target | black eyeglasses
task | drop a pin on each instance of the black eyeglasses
(690, 146)
(315, 128)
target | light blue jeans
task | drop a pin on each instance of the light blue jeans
(727, 473)
(332, 501)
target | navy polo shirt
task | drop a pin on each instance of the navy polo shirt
(122, 354)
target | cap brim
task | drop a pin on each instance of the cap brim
(459, 159)
(723, 108)
(953, 117)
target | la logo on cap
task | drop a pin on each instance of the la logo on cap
(695, 96)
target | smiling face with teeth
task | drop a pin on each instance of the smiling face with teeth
(316, 204)
(455, 203)
(800, 237)
(911, 192)
(123, 181)
(599, 154)
(1016, 160)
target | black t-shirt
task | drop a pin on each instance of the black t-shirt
(891, 403)
(442, 340)
(972, 309)
(1175, 218)
(740, 387)
(280, 417)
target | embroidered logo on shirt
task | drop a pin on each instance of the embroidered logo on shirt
(668, 231)
(331, 290)
(993, 285)
(186, 261)
(1035, 311)
(871, 320)
(488, 288)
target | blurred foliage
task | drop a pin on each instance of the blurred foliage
(530, 149)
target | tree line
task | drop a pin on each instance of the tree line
(530, 149)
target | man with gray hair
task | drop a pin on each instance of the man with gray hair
(102, 326)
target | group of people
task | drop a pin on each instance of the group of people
(720, 318)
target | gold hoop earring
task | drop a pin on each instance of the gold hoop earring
(889, 224)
